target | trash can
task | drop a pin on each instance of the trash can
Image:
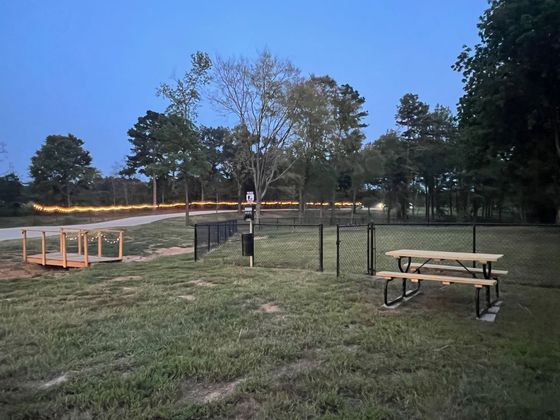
(247, 244)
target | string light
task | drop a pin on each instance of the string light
(85, 209)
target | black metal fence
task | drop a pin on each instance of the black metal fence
(275, 246)
(531, 252)
(210, 235)
(355, 249)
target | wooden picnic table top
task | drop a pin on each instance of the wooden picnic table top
(445, 255)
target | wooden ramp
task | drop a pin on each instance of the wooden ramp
(80, 259)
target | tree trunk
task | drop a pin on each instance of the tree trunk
(187, 213)
(239, 187)
(154, 192)
(427, 202)
(300, 203)
(125, 188)
(68, 202)
(114, 191)
(201, 190)
(332, 205)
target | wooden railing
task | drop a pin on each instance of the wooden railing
(83, 238)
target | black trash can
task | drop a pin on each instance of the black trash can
(247, 244)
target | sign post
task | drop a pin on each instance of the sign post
(250, 198)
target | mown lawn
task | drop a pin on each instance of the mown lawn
(171, 338)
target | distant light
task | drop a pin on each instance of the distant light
(380, 206)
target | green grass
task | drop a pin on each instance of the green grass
(136, 347)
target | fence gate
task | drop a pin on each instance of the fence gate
(355, 249)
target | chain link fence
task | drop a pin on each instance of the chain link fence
(531, 252)
(355, 249)
(210, 235)
(275, 246)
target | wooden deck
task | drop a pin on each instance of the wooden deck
(72, 259)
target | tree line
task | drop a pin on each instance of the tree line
(302, 137)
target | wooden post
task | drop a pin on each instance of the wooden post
(99, 243)
(43, 248)
(80, 242)
(60, 240)
(64, 255)
(24, 237)
(121, 245)
(86, 261)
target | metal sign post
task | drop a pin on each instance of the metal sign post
(250, 198)
(251, 232)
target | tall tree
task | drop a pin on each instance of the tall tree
(148, 154)
(314, 122)
(184, 152)
(510, 111)
(233, 154)
(185, 95)
(61, 166)
(257, 94)
(347, 141)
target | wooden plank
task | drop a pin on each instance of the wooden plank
(24, 250)
(438, 267)
(86, 260)
(99, 243)
(44, 248)
(121, 245)
(445, 255)
(434, 277)
(64, 255)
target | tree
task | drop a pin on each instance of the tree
(61, 166)
(257, 94)
(510, 111)
(185, 96)
(234, 159)
(148, 155)
(184, 152)
(10, 190)
(314, 127)
(394, 175)
(212, 141)
(347, 141)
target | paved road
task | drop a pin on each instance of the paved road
(15, 233)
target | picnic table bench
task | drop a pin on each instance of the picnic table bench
(413, 272)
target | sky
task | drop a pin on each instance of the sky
(92, 68)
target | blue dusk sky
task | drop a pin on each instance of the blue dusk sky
(92, 68)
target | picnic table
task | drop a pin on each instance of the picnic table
(483, 277)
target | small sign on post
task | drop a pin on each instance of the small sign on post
(250, 215)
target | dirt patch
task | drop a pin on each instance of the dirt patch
(203, 283)
(20, 270)
(54, 382)
(160, 252)
(129, 289)
(174, 250)
(270, 308)
(125, 278)
(207, 392)
(188, 298)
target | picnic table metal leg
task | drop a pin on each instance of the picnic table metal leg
(385, 295)
(406, 294)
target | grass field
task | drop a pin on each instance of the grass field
(171, 338)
